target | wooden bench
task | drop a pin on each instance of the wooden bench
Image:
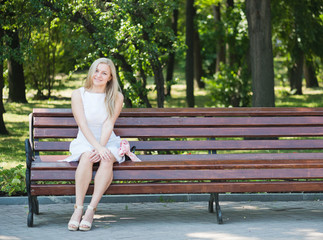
(188, 150)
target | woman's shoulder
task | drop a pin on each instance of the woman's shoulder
(77, 92)
(120, 97)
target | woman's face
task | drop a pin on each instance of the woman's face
(102, 75)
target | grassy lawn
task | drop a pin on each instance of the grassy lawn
(12, 150)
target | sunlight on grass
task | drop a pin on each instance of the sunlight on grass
(310, 98)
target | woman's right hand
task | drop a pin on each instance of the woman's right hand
(94, 156)
(103, 153)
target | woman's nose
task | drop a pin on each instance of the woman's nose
(99, 74)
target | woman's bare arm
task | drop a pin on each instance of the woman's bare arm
(108, 124)
(107, 129)
(79, 116)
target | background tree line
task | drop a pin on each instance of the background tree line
(227, 46)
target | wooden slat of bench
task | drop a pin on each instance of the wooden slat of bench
(240, 111)
(54, 122)
(190, 122)
(236, 158)
(202, 145)
(221, 132)
(159, 188)
(192, 164)
(190, 132)
(154, 175)
(228, 145)
(55, 132)
(219, 122)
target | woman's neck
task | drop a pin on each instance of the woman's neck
(94, 89)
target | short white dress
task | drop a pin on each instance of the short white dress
(95, 113)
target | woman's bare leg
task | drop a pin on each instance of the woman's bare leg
(102, 181)
(83, 177)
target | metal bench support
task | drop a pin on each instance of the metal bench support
(214, 198)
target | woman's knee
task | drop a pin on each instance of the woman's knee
(85, 159)
(108, 163)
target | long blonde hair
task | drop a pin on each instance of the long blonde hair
(112, 87)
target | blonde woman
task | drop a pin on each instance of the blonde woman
(95, 107)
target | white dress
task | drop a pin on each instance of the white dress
(96, 114)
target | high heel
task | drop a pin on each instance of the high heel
(86, 225)
(72, 224)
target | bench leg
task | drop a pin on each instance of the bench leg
(214, 198)
(35, 205)
(31, 199)
(30, 217)
(211, 203)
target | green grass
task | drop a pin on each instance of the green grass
(12, 150)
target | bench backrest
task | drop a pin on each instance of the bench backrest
(182, 129)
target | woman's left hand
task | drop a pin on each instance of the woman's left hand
(94, 156)
(105, 154)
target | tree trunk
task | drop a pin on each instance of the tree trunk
(3, 129)
(261, 54)
(171, 57)
(220, 44)
(198, 70)
(231, 37)
(189, 66)
(16, 77)
(309, 74)
(295, 73)
(159, 80)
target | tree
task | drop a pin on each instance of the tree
(171, 56)
(3, 129)
(13, 17)
(189, 66)
(309, 73)
(198, 68)
(231, 84)
(220, 43)
(232, 33)
(295, 71)
(16, 76)
(298, 27)
(132, 33)
(261, 55)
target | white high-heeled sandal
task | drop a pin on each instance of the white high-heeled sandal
(72, 224)
(85, 223)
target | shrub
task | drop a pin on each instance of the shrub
(231, 87)
(12, 181)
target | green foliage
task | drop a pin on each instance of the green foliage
(135, 34)
(12, 181)
(297, 25)
(61, 36)
(230, 87)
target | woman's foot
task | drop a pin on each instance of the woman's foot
(86, 223)
(74, 222)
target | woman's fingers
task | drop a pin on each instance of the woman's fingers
(101, 154)
(106, 155)
(94, 156)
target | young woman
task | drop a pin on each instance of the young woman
(95, 107)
